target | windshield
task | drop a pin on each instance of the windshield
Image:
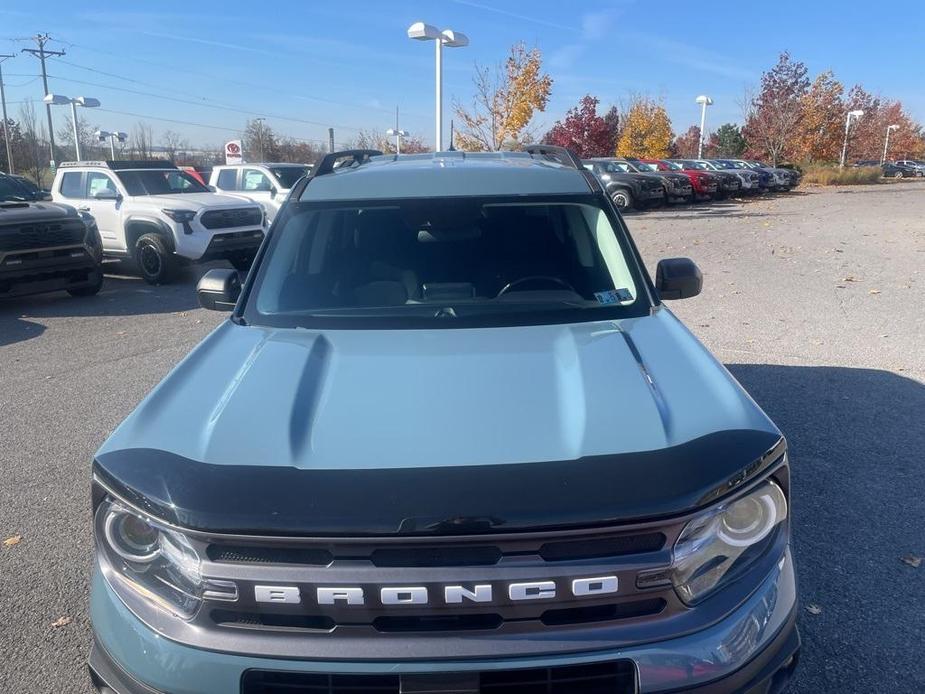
(720, 164)
(12, 191)
(698, 165)
(159, 182)
(288, 175)
(647, 167)
(462, 261)
(674, 166)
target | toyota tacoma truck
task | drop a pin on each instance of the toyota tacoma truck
(449, 439)
(46, 247)
(153, 213)
(627, 188)
(265, 184)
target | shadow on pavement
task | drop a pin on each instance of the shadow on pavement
(856, 441)
(123, 294)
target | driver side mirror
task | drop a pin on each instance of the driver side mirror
(218, 289)
(273, 191)
(106, 194)
(677, 278)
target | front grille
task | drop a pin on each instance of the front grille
(227, 219)
(30, 236)
(615, 677)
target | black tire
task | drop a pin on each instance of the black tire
(898, 174)
(90, 290)
(153, 258)
(622, 199)
(241, 263)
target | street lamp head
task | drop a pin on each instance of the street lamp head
(392, 132)
(121, 136)
(892, 127)
(103, 135)
(87, 102)
(703, 99)
(56, 99)
(856, 114)
(454, 39)
(423, 32)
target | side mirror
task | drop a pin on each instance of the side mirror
(106, 194)
(218, 289)
(212, 189)
(273, 191)
(677, 278)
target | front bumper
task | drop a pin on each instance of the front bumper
(48, 270)
(753, 650)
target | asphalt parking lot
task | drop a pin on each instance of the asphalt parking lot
(815, 300)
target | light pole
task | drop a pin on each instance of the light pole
(886, 144)
(844, 147)
(398, 135)
(260, 121)
(103, 135)
(85, 101)
(451, 39)
(704, 101)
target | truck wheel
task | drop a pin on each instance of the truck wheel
(90, 290)
(898, 174)
(241, 263)
(153, 259)
(622, 199)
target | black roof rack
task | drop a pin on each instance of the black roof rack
(355, 157)
(123, 164)
(562, 155)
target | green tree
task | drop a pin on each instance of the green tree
(728, 141)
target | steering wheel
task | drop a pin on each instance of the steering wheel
(536, 278)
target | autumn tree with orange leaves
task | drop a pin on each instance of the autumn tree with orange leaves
(646, 130)
(820, 133)
(506, 99)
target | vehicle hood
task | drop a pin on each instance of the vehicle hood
(635, 179)
(410, 431)
(28, 212)
(196, 201)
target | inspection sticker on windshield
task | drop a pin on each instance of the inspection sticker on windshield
(613, 296)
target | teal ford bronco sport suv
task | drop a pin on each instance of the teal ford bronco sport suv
(450, 439)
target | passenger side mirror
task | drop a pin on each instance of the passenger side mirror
(678, 278)
(218, 290)
(212, 189)
(273, 191)
(106, 194)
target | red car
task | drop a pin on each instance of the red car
(704, 183)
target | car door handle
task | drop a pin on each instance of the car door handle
(84, 209)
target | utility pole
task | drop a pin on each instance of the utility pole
(330, 139)
(41, 54)
(6, 131)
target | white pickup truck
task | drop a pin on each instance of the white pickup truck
(266, 184)
(159, 216)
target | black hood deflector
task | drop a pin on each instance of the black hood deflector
(597, 490)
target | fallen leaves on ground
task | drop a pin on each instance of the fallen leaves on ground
(813, 608)
(874, 291)
(10, 541)
(912, 560)
(61, 622)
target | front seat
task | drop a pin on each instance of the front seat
(381, 275)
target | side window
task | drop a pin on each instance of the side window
(71, 186)
(97, 182)
(254, 180)
(226, 179)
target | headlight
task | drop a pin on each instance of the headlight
(716, 547)
(156, 562)
(181, 216)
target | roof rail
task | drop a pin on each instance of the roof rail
(562, 155)
(356, 157)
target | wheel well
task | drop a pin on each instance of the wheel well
(135, 229)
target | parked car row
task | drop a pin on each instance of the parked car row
(150, 212)
(903, 168)
(641, 183)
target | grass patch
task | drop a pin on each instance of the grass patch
(833, 176)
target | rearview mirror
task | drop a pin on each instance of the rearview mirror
(106, 194)
(218, 289)
(678, 278)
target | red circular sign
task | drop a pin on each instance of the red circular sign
(233, 148)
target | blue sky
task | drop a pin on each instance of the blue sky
(309, 64)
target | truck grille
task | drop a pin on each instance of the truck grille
(615, 677)
(47, 235)
(227, 219)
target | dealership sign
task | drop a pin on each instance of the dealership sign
(233, 152)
